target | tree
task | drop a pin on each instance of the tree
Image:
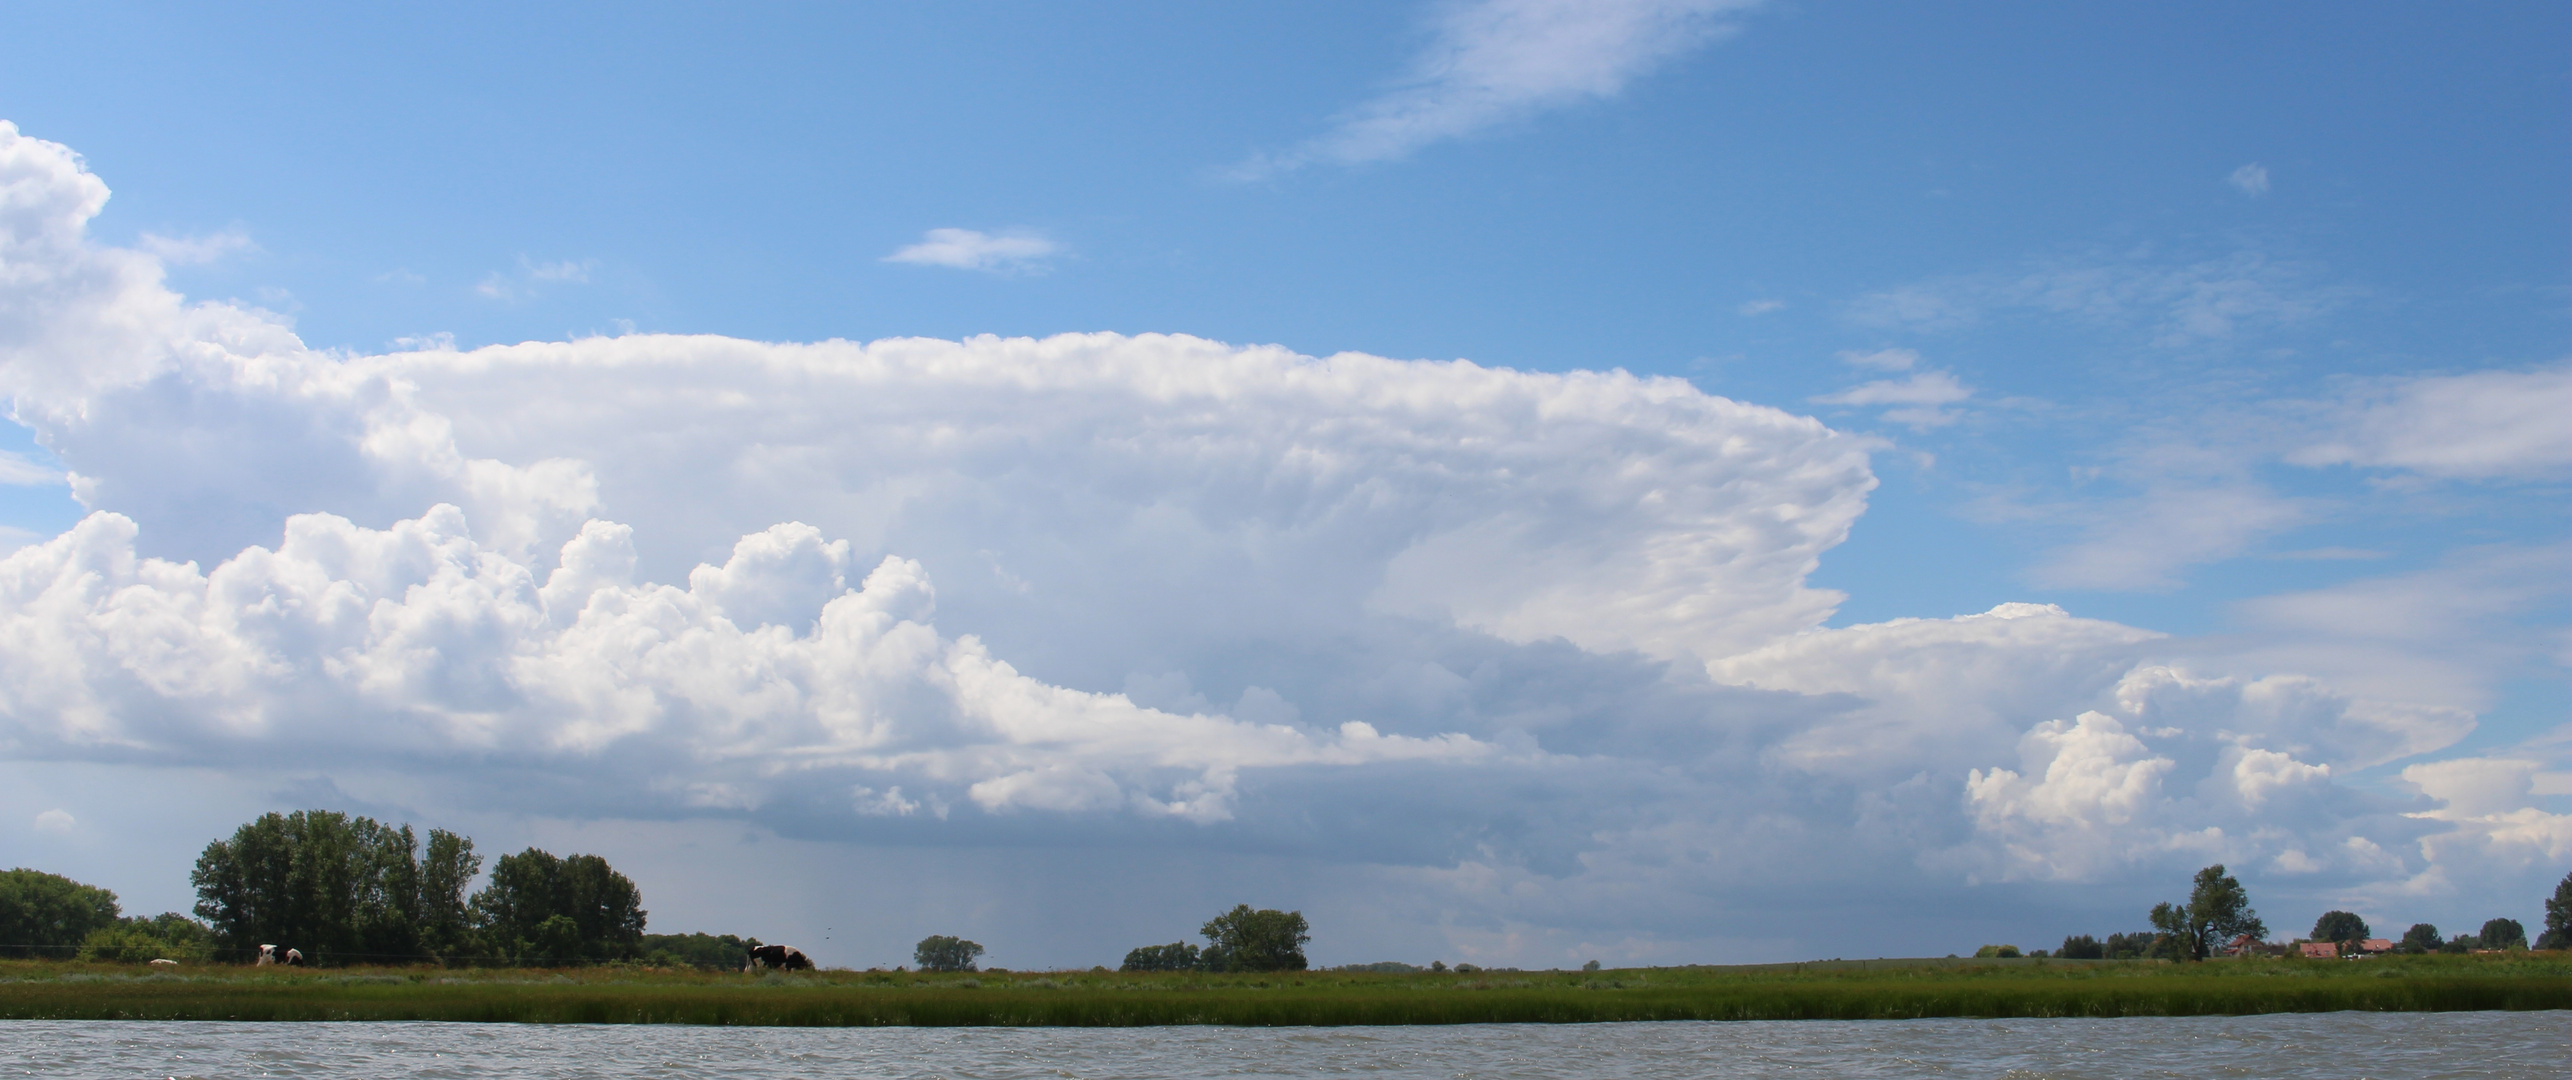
(2558, 918)
(2082, 947)
(2421, 938)
(1175, 956)
(1263, 940)
(2218, 911)
(334, 885)
(2503, 934)
(942, 953)
(45, 914)
(559, 910)
(2340, 926)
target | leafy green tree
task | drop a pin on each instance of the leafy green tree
(333, 885)
(1247, 940)
(2218, 910)
(2461, 943)
(2421, 938)
(2558, 918)
(45, 914)
(1997, 952)
(939, 952)
(2082, 947)
(2503, 934)
(2340, 926)
(543, 909)
(1175, 956)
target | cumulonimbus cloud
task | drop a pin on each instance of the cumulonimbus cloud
(1544, 642)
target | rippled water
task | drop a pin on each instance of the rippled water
(2383, 1045)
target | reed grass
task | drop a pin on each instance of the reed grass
(1869, 990)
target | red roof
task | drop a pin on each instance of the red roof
(2322, 950)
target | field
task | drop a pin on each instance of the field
(1835, 990)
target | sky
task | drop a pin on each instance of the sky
(1519, 481)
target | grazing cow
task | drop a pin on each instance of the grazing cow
(270, 954)
(781, 957)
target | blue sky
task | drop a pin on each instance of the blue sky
(2240, 325)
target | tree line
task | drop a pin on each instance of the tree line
(349, 889)
(2217, 913)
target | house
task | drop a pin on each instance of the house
(2375, 945)
(2320, 950)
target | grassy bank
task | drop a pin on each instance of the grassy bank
(1853, 990)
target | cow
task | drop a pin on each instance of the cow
(270, 954)
(781, 957)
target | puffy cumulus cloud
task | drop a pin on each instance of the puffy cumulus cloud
(1534, 655)
(414, 641)
(2484, 425)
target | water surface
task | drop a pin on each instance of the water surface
(2391, 1046)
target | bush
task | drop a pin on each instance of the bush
(705, 951)
(1996, 952)
(168, 936)
(2082, 947)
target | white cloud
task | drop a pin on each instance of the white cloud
(1882, 359)
(1755, 308)
(967, 249)
(17, 471)
(2178, 521)
(2251, 180)
(2180, 305)
(565, 271)
(1492, 61)
(1920, 400)
(183, 250)
(55, 821)
(1534, 655)
(2485, 425)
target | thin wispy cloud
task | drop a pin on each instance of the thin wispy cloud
(191, 250)
(1493, 61)
(1756, 308)
(531, 276)
(970, 249)
(17, 471)
(2251, 179)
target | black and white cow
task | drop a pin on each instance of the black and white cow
(270, 954)
(781, 957)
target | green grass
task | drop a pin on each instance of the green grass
(1850, 990)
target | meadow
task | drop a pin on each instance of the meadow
(1831, 990)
